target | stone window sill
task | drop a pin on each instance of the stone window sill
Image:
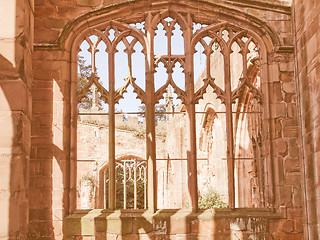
(167, 222)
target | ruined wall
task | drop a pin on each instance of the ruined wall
(92, 147)
(307, 72)
(51, 116)
(286, 191)
(221, 224)
(16, 47)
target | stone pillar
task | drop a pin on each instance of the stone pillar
(307, 75)
(16, 42)
(48, 162)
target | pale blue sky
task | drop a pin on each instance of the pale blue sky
(130, 103)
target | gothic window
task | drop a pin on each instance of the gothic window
(183, 93)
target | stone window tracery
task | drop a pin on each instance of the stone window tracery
(184, 64)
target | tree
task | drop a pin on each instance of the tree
(211, 199)
(160, 112)
(129, 190)
(84, 72)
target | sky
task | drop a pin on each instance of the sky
(130, 103)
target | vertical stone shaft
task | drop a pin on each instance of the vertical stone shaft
(112, 171)
(150, 121)
(135, 195)
(191, 121)
(124, 185)
(229, 126)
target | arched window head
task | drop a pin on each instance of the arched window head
(143, 85)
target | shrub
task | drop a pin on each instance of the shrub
(211, 199)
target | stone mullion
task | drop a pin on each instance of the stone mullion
(244, 52)
(124, 184)
(112, 170)
(135, 195)
(73, 133)
(191, 122)
(169, 35)
(93, 71)
(150, 121)
(229, 128)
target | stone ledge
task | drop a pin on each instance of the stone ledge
(210, 223)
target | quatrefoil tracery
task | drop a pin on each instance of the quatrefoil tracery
(169, 64)
(222, 35)
(218, 38)
(111, 44)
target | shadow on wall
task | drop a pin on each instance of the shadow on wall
(130, 224)
(171, 224)
(49, 178)
(14, 150)
(26, 183)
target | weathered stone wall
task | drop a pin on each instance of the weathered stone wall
(49, 150)
(16, 47)
(286, 192)
(307, 42)
(52, 16)
(218, 224)
(50, 165)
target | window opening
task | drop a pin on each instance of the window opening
(92, 131)
(185, 99)
(131, 182)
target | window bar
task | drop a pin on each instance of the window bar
(102, 192)
(112, 172)
(260, 159)
(106, 187)
(124, 185)
(191, 122)
(150, 119)
(230, 146)
(145, 187)
(135, 183)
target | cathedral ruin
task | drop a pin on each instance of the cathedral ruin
(167, 119)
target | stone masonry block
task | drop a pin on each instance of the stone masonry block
(289, 87)
(291, 164)
(293, 148)
(276, 93)
(285, 193)
(287, 76)
(288, 226)
(281, 147)
(290, 128)
(297, 197)
(88, 3)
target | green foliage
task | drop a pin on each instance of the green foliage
(89, 178)
(130, 192)
(138, 131)
(84, 72)
(96, 123)
(129, 189)
(160, 110)
(212, 199)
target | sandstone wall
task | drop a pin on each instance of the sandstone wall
(307, 75)
(50, 165)
(16, 47)
(50, 148)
